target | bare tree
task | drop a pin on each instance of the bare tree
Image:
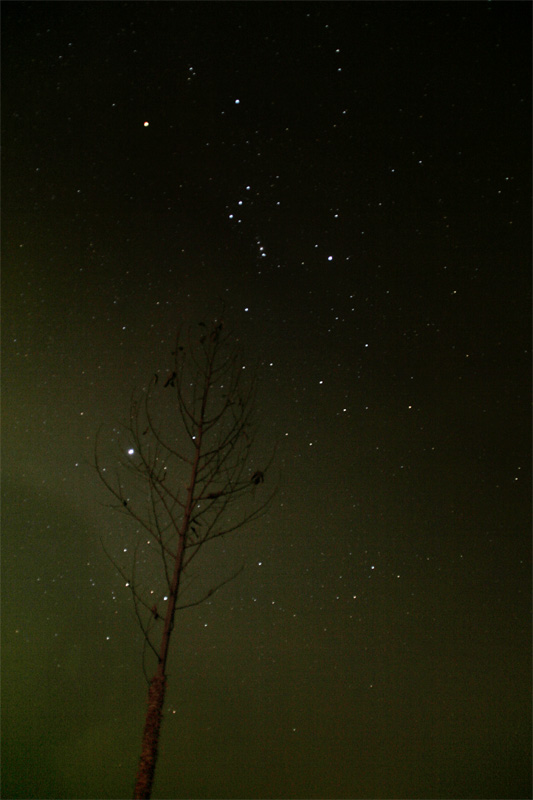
(184, 471)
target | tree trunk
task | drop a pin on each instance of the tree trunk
(152, 726)
(156, 692)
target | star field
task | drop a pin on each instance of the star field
(352, 181)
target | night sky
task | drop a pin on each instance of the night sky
(352, 181)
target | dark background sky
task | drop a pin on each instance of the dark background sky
(353, 180)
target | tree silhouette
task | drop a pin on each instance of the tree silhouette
(183, 473)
